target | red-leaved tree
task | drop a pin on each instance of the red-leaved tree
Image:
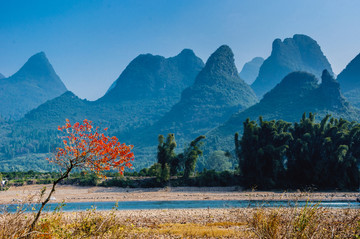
(87, 148)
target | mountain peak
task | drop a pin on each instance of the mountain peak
(38, 58)
(302, 37)
(327, 78)
(40, 54)
(37, 67)
(349, 78)
(224, 52)
(297, 84)
(69, 94)
(155, 77)
(219, 66)
(186, 53)
(217, 93)
(329, 92)
(276, 44)
(299, 53)
(35, 83)
(251, 69)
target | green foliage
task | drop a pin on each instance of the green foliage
(166, 150)
(123, 108)
(220, 161)
(89, 179)
(262, 152)
(165, 173)
(191, 154)
(171, 163)
(322, 155)
(166, 157)
(211, 178)
(154, 170)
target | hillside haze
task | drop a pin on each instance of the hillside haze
(251, 69)
(35, 83)
(297, 93)
(349, 80)
(216, 94)
(300, 53)
(180, 95)
(145, 90)
(143, 93)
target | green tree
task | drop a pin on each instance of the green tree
(261, 152)
(220, 161)
(191, 155)
(166, 157)
(324, 154)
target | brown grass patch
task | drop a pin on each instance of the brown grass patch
(307, 222)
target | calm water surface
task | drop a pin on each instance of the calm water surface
(139, 205)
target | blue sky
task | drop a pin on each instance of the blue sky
(89, 43)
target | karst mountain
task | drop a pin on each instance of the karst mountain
(299, 53)
(35, 83)
(251, 69)
(349, 80)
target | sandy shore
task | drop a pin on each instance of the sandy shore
(96, 194)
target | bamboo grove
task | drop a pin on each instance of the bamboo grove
(321, 155)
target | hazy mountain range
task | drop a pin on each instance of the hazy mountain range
(160, 82)
(157, 95)
(216, 94)
(297, 93)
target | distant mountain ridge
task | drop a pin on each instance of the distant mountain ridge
(149, 77)
(251, 69)
(300, 53)
(138, 99)
(216, 94)
(138, 96)
(35, 83)
(349, 80)
(2, 76)
(182, 95)
(297, 93)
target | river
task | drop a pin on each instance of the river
(139, 205)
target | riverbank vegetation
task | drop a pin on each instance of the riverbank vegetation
(270, 155)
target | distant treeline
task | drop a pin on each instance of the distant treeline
(270, 154)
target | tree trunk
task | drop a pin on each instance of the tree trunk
(65, 175)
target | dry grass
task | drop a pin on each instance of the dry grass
(307, 222)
